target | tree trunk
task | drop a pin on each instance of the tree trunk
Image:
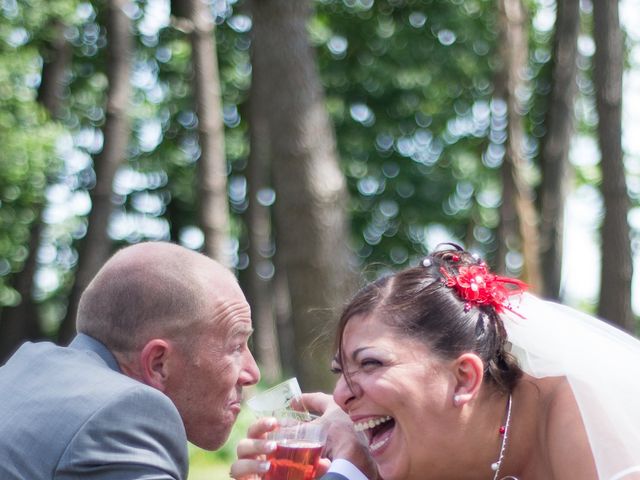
(260, 285)
(556, 143)
(95, 248)
(310, 218)
(56, 60)
(508, 231)
(212, 174)
(514, 54)
(284, 318)
(21, 322)
(617, 263)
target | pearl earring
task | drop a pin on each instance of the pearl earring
(456, 400)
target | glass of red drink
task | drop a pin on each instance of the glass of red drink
(299, 446)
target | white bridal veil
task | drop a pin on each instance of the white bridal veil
(602, 365)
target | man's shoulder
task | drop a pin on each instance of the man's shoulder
(48, 369)
(63, 400)
(138, 425)
(66, 385)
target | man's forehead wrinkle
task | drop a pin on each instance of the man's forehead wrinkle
(240, 327)
(232, 315)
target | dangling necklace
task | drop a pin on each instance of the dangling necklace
(504, 431)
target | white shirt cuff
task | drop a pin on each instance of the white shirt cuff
(346, 469)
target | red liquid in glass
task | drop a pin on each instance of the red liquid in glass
(296, 460)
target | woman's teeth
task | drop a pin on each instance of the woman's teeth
(367, 424)
(375, 446)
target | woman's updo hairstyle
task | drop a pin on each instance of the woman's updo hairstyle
(421, 302)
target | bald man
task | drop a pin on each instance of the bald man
(161, 357)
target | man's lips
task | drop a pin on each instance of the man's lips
(236, 403)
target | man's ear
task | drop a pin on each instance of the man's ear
(154, 358)
(469, 372)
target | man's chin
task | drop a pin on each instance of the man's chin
(210, 444)
(213, 439)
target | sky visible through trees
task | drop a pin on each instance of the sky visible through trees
(421, 134)
(582, 256)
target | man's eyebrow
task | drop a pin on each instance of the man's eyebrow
(241, 330)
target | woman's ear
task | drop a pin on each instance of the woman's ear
(468, 370)
(154, 358)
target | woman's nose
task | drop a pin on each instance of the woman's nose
(345, 392)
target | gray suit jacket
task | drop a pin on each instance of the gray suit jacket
(69, 413)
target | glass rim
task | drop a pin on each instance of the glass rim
(268, 401)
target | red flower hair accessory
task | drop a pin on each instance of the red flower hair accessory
(476, 285)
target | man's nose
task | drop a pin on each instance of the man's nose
(250, 374)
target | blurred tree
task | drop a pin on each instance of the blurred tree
(178, 149)
(56, 57)
(517, 191)
(617, 262)
(555, 144)
(421, 128)
(28, 157)
(96, 246)
(310, 216)
(21, 322)
(259, 287)
(28, 160)
(212, 206)
(409, 86)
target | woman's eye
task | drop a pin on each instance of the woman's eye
(336, 370)
(370, 363)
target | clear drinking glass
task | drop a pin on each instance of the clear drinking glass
(276, 401)
(299, 445)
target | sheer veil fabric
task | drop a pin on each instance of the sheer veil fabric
(602, 365)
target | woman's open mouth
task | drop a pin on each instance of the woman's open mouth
(378, 431)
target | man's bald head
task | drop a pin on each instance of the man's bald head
(148, 290)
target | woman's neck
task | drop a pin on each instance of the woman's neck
(523, 455)
(479, 438)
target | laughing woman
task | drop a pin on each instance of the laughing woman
(451, 372)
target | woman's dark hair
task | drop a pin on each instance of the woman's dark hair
(418, 303)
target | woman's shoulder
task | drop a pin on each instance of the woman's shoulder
(563, 435)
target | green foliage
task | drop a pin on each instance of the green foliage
(164, 108)
(409, 86)
(27, 135)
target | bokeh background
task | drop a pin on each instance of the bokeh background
(311, 145)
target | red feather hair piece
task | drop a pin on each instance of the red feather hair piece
(476, 285)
